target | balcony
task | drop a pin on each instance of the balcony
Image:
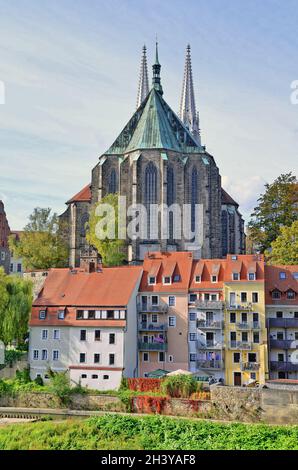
(148, 308)
(208, 345)
(249, 325)
(152, 326)
(283, 366)
(212, 365)
(283, 322)
(246, 306)
(152, 346)
(240, 345)
(282, 344)
(251, 366)
(209, 304)
(210, 324)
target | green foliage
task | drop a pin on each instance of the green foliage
(23, 376)
(39, 381)
(116, 432)
(15, 308)
(123, 384)
(284, 250)
(42, 245)
(60, 386)
(12, 356)
(277, 208)
(179, 385)
(110, 248)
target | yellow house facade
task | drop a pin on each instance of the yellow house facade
(246, 353)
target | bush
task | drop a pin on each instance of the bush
(38, 380)
(60, 386)
(12, 356)
(123, 384)
(179, 386)
(23, 376)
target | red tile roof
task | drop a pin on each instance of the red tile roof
(163, 264)
(274, 282)
(111, 287)
(206, 268)
(83, 195)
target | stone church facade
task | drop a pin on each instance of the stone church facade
(158, 159)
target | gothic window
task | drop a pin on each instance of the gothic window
(194, 197)
(170, 198)
(232, 237)
(224, 232)
(150, 189)
(113, 182)
(84, 222)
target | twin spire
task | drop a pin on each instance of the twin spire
(187, 112)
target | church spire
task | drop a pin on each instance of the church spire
(143, 81)
(188, 113)
(156, 72)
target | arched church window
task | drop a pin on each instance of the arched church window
(150, 190)
(170, 198)
(113, 182)
(194, 197)
(84, 223)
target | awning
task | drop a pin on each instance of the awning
(157, 374)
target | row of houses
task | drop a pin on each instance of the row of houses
(232, 319)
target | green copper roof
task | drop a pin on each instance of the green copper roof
(154, 126)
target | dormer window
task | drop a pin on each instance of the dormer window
(42, 314)
(234, 257)
(251, 276)
(167, 280)
(291, 294)
(276, 294)
(213, 278)
(282, 275)
(295, 276)
(177, 278)
(236, 276)
(198, 279)
(151, 280)
(61, 314)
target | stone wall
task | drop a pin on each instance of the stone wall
(276, 406)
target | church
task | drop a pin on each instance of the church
(158, 159)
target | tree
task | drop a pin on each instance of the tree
(278, 207)
(102, 231)
(42, 245)
(15, 307)
(284, 250)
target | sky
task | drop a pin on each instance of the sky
(70, 71)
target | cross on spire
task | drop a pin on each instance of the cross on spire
(143, 89)
(188, 113)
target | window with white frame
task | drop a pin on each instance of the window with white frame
(170, 358)
(42, 314)
(55, 355)
(145, 357)
(193, 298)
(251, 276)
(61, 314)
(192, 316)
(235, 276)
(154, 318)
(172, 322)
(192, 357)
(255, 297)
(167, 280)
(44, 354)
(213, 279)
(35, 354)
(44, 334)
(172, 301)
(56, 334)
(161, 356)
(197, 279)
(192, 336)
(154, 300)
(151, 280)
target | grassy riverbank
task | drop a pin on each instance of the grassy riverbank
(149, 432)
